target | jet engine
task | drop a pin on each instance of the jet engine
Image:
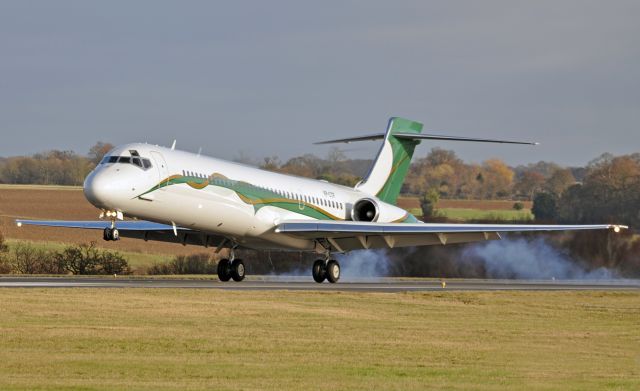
(365, 209)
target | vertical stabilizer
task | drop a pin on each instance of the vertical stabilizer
(388, 171)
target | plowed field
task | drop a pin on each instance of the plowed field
(65, 203)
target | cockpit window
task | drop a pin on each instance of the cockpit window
(133, 152)
(136, 160)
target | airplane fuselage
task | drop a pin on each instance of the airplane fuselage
(219, 197)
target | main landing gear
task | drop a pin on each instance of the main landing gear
(329, 270)
(231, 269)
(228, 269)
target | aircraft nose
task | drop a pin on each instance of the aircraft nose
(103, 189)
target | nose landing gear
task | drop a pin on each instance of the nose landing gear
(329, 270)
(111, 234)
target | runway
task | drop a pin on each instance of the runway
(262, 283)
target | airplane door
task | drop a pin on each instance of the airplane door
(161, 164)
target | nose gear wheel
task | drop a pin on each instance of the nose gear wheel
(111, 234)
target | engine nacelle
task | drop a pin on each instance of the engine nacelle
(365, 209)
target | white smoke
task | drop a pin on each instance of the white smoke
(535, 259)
(364, 264)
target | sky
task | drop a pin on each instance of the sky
(263, 78)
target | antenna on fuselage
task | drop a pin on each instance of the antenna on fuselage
(173, 146)
(199, 151)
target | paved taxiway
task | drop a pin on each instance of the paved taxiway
(305, 284)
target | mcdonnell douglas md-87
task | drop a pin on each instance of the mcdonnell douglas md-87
(182, 197)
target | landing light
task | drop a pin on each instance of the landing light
(19, 224)
(616, 229)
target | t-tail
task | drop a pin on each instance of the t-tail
(390, 167)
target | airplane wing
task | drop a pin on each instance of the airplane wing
(137, 229)
(354, 235)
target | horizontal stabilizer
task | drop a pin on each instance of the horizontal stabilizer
(418, 136)
(412, 136)
(370, 137)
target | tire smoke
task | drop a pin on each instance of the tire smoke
(530, 259)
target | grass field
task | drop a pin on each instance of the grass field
(90, 339)
(476, 214)
(463, 210)
(412, 202)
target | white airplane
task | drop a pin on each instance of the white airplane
(183, 197)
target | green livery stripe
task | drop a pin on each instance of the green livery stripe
(252, 195)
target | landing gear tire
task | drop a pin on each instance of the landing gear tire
(333, 271)
(237, 270)
(110, 234)
(224, 270)
(318, 271)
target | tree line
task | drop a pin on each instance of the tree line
(609, 192)
(66, 168)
